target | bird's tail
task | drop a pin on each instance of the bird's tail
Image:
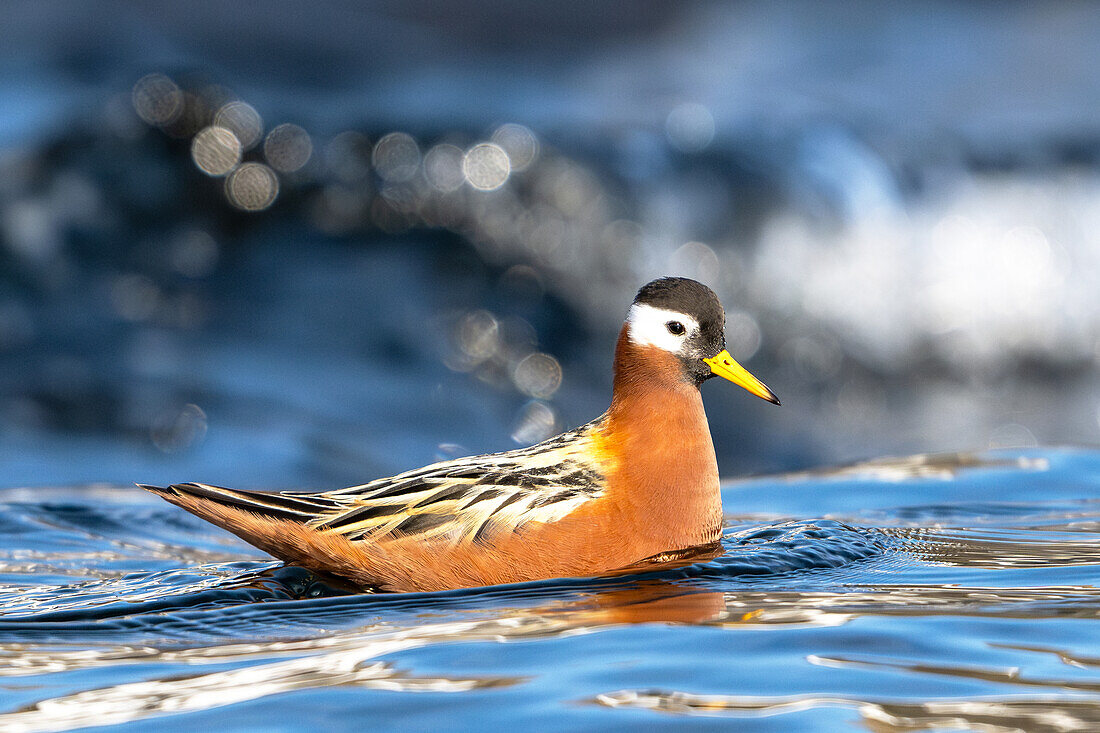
(204, 501)
(277, 523)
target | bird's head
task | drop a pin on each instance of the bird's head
(685, 318)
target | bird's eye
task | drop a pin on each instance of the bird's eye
(675, 328)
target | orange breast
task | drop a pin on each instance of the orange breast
(662, 489)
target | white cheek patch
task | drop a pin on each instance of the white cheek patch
(646, 327)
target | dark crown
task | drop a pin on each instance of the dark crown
(683, 296)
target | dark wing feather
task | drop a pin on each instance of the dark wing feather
(291, 505)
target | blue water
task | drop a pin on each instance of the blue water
(953, 591)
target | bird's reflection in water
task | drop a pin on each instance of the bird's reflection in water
(651, 601)
(628, 599)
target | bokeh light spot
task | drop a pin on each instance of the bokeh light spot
(243, 120)
(523, 284)
(176, 430)
(690, 127)
(1012, 435)
(697, 261)
(478, 335)
(486, 166)
(195, 114)
(519, 143)
(216, 151)
(396, 157)
(538, 375)
(30, 230)
(157, 99)
(537, 421)
(287, 148)
(814, 359)
(742, 334)
(134, 297)
(476, 338)
(443, 168)
(252, 187)
(193, 253)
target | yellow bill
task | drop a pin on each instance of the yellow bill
(724, 366)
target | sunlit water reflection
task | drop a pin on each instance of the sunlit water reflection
(947, 591)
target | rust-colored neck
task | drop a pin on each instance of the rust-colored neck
(667, 474)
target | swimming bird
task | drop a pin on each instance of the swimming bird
(638, 484)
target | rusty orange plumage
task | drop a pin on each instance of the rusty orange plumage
(638, 484)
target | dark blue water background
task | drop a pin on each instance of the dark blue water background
(897, 206)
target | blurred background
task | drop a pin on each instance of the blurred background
(303, 245)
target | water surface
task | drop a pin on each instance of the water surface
(954, 591)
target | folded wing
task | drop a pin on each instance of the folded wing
(464, 500)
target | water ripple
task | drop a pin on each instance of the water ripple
(1038, 714)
